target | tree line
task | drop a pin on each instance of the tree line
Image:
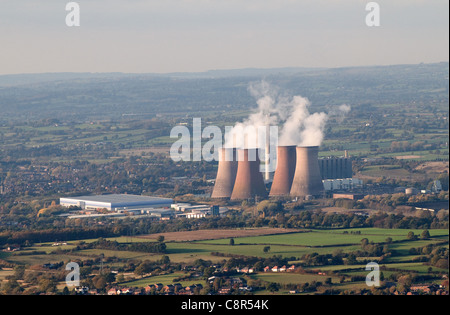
(146, 247)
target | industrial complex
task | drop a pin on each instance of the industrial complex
(299, 173)
(134, 206)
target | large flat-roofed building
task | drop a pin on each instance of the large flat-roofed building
(335, 168)
(116, 202)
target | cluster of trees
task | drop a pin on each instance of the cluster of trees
(29, 237)
(339, 257)
(436, 255)
(306, 287)
(37, 281)
(409, 165)
(146, 247)
(389, 202)
(154, 267)
(150, 174)
(405, 146)
(319, 219)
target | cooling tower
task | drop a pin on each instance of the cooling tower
(226, 174)
(284, 173)
(307, 179)
(249, 180)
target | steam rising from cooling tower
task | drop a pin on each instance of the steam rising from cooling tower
(297, 125)
(301, 133)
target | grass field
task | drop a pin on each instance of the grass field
(321, 238)
(183, 236)
(192, 251)
(287, 245)
(291, 245)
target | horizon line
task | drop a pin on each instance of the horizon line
(228, 69)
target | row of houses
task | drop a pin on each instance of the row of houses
(245, 270)
(227, 290)
(266, 269)
(425, 289)
(173, 288)
(279, 269)
(176, 288)
(230, 284)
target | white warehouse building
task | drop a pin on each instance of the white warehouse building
(116, 202)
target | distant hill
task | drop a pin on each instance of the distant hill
(84, 96)
(32, 78)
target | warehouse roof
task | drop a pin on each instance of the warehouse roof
(119, 200)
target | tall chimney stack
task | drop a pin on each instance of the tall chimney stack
(249, 180)
(267, 152)
(307, 179)
(284, 173)
(226, 173)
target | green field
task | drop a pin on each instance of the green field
(191, 251)
(286, 245)
(291, 245)
(322, 238)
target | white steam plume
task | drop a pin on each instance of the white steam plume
(297, 125)
(301, 127)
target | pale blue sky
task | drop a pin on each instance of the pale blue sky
(197, 35)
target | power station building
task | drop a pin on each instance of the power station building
(116, 202)
(299, 173)
(335, 168)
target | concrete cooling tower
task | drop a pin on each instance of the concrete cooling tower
(226, 173)
(307, 178)
(284, 173)
(249, 180)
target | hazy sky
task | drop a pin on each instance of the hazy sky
(198, 35)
